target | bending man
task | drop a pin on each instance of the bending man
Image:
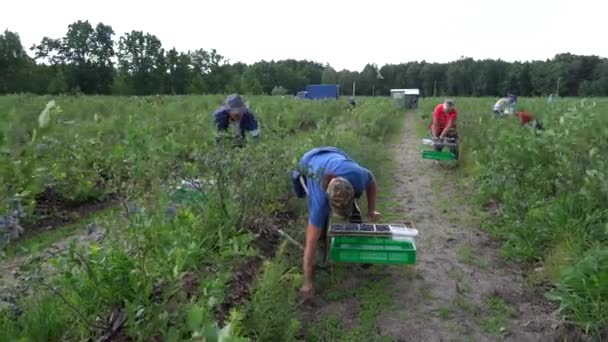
(444, 125)
(236, 111)
(332, 181)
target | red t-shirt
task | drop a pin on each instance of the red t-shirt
(525, 117)
(443, 118)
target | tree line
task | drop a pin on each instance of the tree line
(89, 60)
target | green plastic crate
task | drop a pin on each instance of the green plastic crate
(372, 250)
(438, 155)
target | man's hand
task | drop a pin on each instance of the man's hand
(374, 216)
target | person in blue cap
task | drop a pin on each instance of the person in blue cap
(235, 111)
(331, 181)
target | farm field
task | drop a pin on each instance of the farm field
(513, 242)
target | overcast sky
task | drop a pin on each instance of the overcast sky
(341, 33)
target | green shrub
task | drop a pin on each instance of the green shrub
(583, 294)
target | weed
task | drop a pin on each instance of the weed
(271, 314)
(47, 319)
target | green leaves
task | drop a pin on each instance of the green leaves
(582, 292)
(205, 330)
(552, 188)
(195, 317)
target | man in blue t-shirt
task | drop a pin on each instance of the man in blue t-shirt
(235, 111)
(332, 181)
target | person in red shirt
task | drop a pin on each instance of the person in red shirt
(524, 117)
(527, 117)
(444, 124)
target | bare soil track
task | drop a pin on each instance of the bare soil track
(460, 290)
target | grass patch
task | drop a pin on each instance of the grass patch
(392, 211)
(443, 205)
(329, 326)
(373, 300)
(271, 314)
(468, 256)
(422, 124)
(446, 313)
(496, 316)
(426, 294)
(457, 275)
(461, 332)
(455, 205)
(564, 253)
(462, 304)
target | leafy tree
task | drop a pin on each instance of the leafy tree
(542, 78)
(178, 72)
(58, 84)
(368, 79)
(329, 76)
(433, 79)
(14, 63)
(86, 54)
(49, 50)
(208, 75)
(141, 60)
(346, 79)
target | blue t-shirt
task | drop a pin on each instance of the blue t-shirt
(248, 123)
(331, 163)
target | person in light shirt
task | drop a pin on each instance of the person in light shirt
(505, 105)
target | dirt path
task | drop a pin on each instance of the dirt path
(460, 290)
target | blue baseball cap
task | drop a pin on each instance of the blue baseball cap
(235, 102)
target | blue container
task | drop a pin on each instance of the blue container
(322, 91)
